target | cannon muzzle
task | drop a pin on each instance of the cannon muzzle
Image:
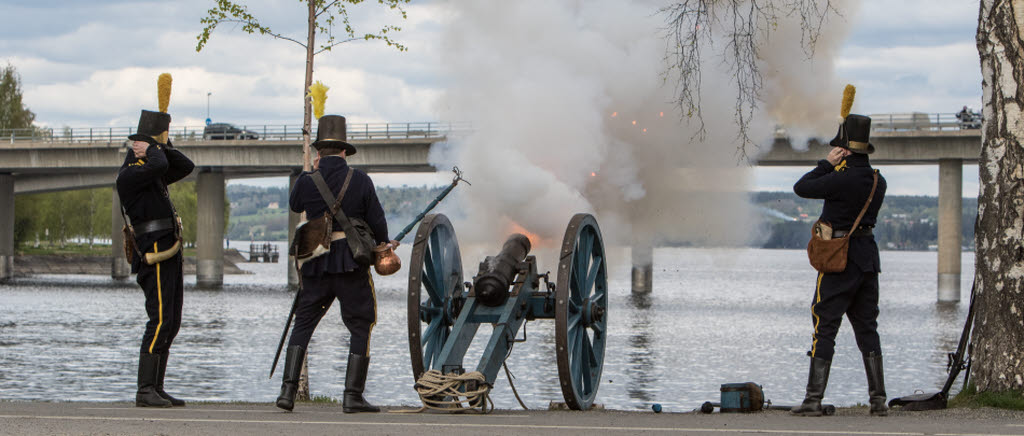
(492, 286)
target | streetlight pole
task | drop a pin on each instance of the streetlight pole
(208, 105)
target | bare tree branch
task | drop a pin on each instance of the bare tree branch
(328, 47)
(325, 8)
(268, 32)
(742, 25)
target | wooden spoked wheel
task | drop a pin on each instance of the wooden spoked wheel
(435, 290)
(581, 308)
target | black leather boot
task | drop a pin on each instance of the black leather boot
(160, 381)
(876, 384)
(146, 396)
(290, 380)
(816, 382)
(355, 383)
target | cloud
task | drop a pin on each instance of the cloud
(882, 75)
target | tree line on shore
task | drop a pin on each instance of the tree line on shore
(261, 213)
(84, 215)
(905, 222)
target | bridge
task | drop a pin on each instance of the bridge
(41, 160)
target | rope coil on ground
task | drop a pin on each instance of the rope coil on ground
(450, 392)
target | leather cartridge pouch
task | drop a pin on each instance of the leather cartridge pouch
(129, 243)
(312, 239)
(827, 254)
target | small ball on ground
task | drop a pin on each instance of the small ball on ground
(656, 408)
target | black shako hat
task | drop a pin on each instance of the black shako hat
(332, 132)
(153, 127)
(853, 134)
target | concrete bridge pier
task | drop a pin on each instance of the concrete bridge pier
(293, 221)
(210, 228)
(643, 265)
(950, 228)
(119, 267)
(6, 226)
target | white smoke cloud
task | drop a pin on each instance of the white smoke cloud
(572, 112)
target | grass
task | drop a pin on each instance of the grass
(322, 399)
(68, 249)
(971, 398)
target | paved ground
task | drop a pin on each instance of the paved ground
(27, 265)
(24, 418)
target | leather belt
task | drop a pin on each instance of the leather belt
(153, 226)
(337, 235)
(862, 231)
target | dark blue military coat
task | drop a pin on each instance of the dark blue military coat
(845, 188)
(142, 185)
(360, 202)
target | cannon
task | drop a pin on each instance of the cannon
(445, 312)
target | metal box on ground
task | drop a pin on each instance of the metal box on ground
(741, 397)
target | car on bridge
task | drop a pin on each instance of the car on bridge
(216, 131)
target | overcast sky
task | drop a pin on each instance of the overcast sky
(94, 63)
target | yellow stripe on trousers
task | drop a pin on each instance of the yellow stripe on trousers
(373, 293)
(159, 299)
(817, 319)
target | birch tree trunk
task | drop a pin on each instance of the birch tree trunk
(998, 337)
(307, 107)
(307, 117)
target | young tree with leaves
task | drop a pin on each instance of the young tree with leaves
(13, 113)
(322, 17)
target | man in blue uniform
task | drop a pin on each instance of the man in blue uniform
(155, 246)
(337, 274)
(844, 180)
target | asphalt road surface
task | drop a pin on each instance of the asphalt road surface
(36, 418)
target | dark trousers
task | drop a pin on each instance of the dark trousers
(851, 292)
(355, 293)
(162, 284)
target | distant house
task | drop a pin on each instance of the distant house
(273, 205)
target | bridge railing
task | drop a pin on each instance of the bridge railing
(284, 132)
(266, 132)
(924, 121)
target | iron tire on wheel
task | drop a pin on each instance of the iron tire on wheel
(581, 308)
(435, 239)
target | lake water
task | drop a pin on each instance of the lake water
(715, 316)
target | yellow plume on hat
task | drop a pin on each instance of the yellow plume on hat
(163, 91)
(848, 93)
(318, 93)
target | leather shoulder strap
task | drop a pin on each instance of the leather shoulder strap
(325, 192)
(874, 184)
(321, 185)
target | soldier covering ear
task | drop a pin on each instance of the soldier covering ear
(153, 233)
(847, 183)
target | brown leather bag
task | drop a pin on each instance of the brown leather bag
(827, 254)
(313, 238)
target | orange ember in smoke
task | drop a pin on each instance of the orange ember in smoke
(661, 114)
(534, 238)
(645, 130)
(615, 114)
(593, 174)
(634, 122)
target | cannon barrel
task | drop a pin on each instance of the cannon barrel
(492, 285)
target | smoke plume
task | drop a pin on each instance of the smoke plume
(572, 111)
